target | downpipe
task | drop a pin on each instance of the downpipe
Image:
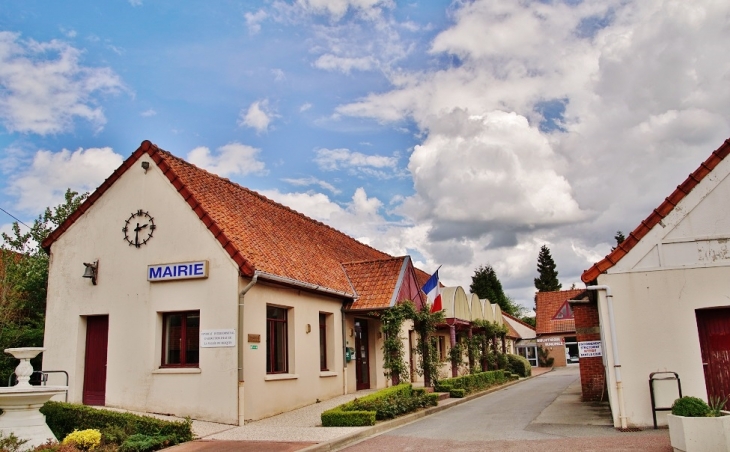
(240, 340)
(614, 347)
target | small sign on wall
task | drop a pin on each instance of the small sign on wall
(589, 349)
(551, 341)
(217, 338)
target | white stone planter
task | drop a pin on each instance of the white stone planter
(700, 434)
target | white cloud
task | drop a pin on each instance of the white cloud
(330, 62)
(51, 173)
(135, 3)
(378, 166)
(336, 9)
(233, 158)
(309, 181)
(147, 113)
(258, 116)
(45, 88)
(278, 75)
(643, 90)
(305, 107)
(253, 21)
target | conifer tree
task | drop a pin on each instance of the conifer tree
(485, 284)
(548, 279)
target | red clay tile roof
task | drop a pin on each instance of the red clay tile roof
(258, 234)
(547, 305)
(375, 282)
(658, 214)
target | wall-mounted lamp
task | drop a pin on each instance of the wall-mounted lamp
(91, 271)
(145, 166)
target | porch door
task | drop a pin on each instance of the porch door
(97, 336)
(713, 326)
(362, 355)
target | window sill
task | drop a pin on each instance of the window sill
(327, 373)
(273, 377)
(177, 370)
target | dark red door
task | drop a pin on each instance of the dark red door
(713, 326)
(97, 335)
(362, 356)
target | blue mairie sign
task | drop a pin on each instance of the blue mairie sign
(178, 270)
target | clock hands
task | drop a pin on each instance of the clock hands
(136, 234)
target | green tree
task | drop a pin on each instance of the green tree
(485, 284)
(24, 279)
(548, 279)
(619, 237)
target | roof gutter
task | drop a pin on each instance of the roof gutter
(614, 347)
(303, 285)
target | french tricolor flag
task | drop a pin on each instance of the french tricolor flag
(433, 292)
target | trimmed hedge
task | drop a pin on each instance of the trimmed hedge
(689, 406)
(519, 365)
(384, 404)
(475, 382)
(457, 393)
(63, 418)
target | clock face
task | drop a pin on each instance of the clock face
(138, 228)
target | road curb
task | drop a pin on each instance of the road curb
(381, 427)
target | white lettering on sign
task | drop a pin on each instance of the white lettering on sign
(551, 341)
(180, 270)
(589, 349)
(217, 338)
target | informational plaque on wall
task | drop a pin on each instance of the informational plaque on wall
(218, 338)
(589, 349)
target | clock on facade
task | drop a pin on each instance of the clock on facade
(138, 228)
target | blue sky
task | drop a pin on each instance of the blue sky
(462, 133)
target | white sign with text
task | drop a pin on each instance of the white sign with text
(217, 338)
(589, 349)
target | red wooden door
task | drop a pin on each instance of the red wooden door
(97, 335)
(713, 326)
(362, 355)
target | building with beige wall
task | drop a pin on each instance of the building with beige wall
(208, 300)
(663, 298)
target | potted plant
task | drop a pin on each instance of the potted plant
(696, 426)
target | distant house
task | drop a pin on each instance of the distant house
(555, 325)
(521, 339)
(202, 298)
(660, 302)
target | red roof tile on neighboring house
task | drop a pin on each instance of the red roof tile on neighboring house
(257, 233)
(375, 282)
(547, 304)
(658, 214)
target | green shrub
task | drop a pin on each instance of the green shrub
(11, 443)
(475, 382)
(688, 406)
(146, 443)
(519, 365)
(338, 418)
(64, 418)
(443, 387)
(457, 393)
(384, 404)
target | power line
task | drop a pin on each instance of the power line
(16, 218)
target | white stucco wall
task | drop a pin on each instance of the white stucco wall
(135, 306)
(656, 330)
(267, 395)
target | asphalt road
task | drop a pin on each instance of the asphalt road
(543, 414)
